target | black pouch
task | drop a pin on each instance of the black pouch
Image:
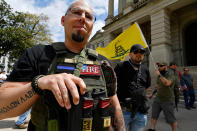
(61, 119)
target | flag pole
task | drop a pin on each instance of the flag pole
(152, 58)
(147, 46)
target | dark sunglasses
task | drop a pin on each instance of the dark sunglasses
(139, 51)
(161, 65)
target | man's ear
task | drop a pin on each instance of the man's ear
(62, 20)
(130, 54)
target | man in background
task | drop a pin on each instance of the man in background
(164, 100)
(188, 91)
(173, 70)
(133, 79)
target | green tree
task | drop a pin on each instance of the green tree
(19, 31)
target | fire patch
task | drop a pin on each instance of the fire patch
(93, 70)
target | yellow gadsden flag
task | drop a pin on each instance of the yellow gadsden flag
(119, 48)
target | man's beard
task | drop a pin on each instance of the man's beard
(77, 37)
(138, 60)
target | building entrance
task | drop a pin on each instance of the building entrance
(191, 45)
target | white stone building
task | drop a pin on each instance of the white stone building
(169, 26)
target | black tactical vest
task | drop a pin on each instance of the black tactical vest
(46, 112)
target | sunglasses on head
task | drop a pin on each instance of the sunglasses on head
(139, 51)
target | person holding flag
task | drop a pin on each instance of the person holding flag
(164, 100)
(131, 90)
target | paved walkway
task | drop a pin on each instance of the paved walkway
(187, 121)
(9, 125)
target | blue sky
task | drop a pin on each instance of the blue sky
(54, 9)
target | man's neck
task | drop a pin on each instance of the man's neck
(74, 47)
(135, 65)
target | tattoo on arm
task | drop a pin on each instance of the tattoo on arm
(117, 119)
(17, 102)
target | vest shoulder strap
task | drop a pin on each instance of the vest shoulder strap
(92, 54)
(59, 47)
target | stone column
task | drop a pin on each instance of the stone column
(129, 1)
(177, 46)
(160, 38)
(111, 8)
(110, 12)
(107, 39)
(120, 6)
(128, 7)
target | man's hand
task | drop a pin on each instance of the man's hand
(157, 73)
(60, 84)
(150, 96)
(185, 88)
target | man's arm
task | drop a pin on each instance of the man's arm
(115, 108)
(154, 91)
(165, 81)
(16, 98)
(117, 118)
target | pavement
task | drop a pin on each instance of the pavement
(187, 121)
(9, 125)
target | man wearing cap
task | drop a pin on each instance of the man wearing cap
(133, 79)
(164, 99)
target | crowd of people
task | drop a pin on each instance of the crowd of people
(63, 70)
(170, 83)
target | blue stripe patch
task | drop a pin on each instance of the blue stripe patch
(66, 67)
